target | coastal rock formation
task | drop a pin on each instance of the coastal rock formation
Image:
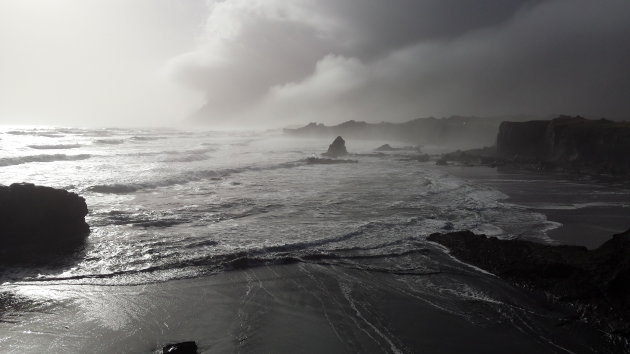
(595, 283)
(386, 147)
(180, 348)
(337, 148)
(37, 223)
(524, 140)
(486, 156)
(571, 143)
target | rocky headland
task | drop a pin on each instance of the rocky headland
(573, 144)
(593, 284)
(40, 223)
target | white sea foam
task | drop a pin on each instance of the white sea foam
(8, 161)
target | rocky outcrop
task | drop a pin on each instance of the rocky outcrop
(37, 223)
(474, 157)
(594, 283)
(387, 147)
(570, 143)
(337, 148)
(180, 348)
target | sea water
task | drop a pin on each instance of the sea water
(166, 204)
(170, 210)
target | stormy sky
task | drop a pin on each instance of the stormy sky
(278, 62)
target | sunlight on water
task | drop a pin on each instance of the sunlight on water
(167, 204)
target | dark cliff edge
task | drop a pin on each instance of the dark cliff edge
(572, 144)
(456, 131)
(39, 224)
(594, 284)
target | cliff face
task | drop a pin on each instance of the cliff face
(568, 142)
(523, 139)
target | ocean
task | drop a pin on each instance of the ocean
(173, 209)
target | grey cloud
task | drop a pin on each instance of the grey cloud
(376, 60)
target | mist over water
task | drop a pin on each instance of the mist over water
(244, 240)
(168, 204)
(169, 208)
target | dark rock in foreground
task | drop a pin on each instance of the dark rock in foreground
(595, 283)
(37, 223)
(337, 148)
(323, 161)
(180, 348)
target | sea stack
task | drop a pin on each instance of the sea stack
(337, 148)
(37, 223)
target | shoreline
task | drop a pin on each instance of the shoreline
(307, 308)
(585, 219)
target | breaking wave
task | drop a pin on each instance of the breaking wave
(109, 141)
(9, 161)
(147, 138)
(55, 147)
(191, 176)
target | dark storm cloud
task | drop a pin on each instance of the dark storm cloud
(394, 60)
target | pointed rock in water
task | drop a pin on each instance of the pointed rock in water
(180, 348)
(337, 148)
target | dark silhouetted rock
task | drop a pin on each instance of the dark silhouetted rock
(337, 148)
(180, 348)
(37, 223)
(484, 156)
(595, 283)
(387, 147)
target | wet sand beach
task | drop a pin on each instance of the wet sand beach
(298, 308)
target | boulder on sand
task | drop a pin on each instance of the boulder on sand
(337, 148)
(37, 223)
